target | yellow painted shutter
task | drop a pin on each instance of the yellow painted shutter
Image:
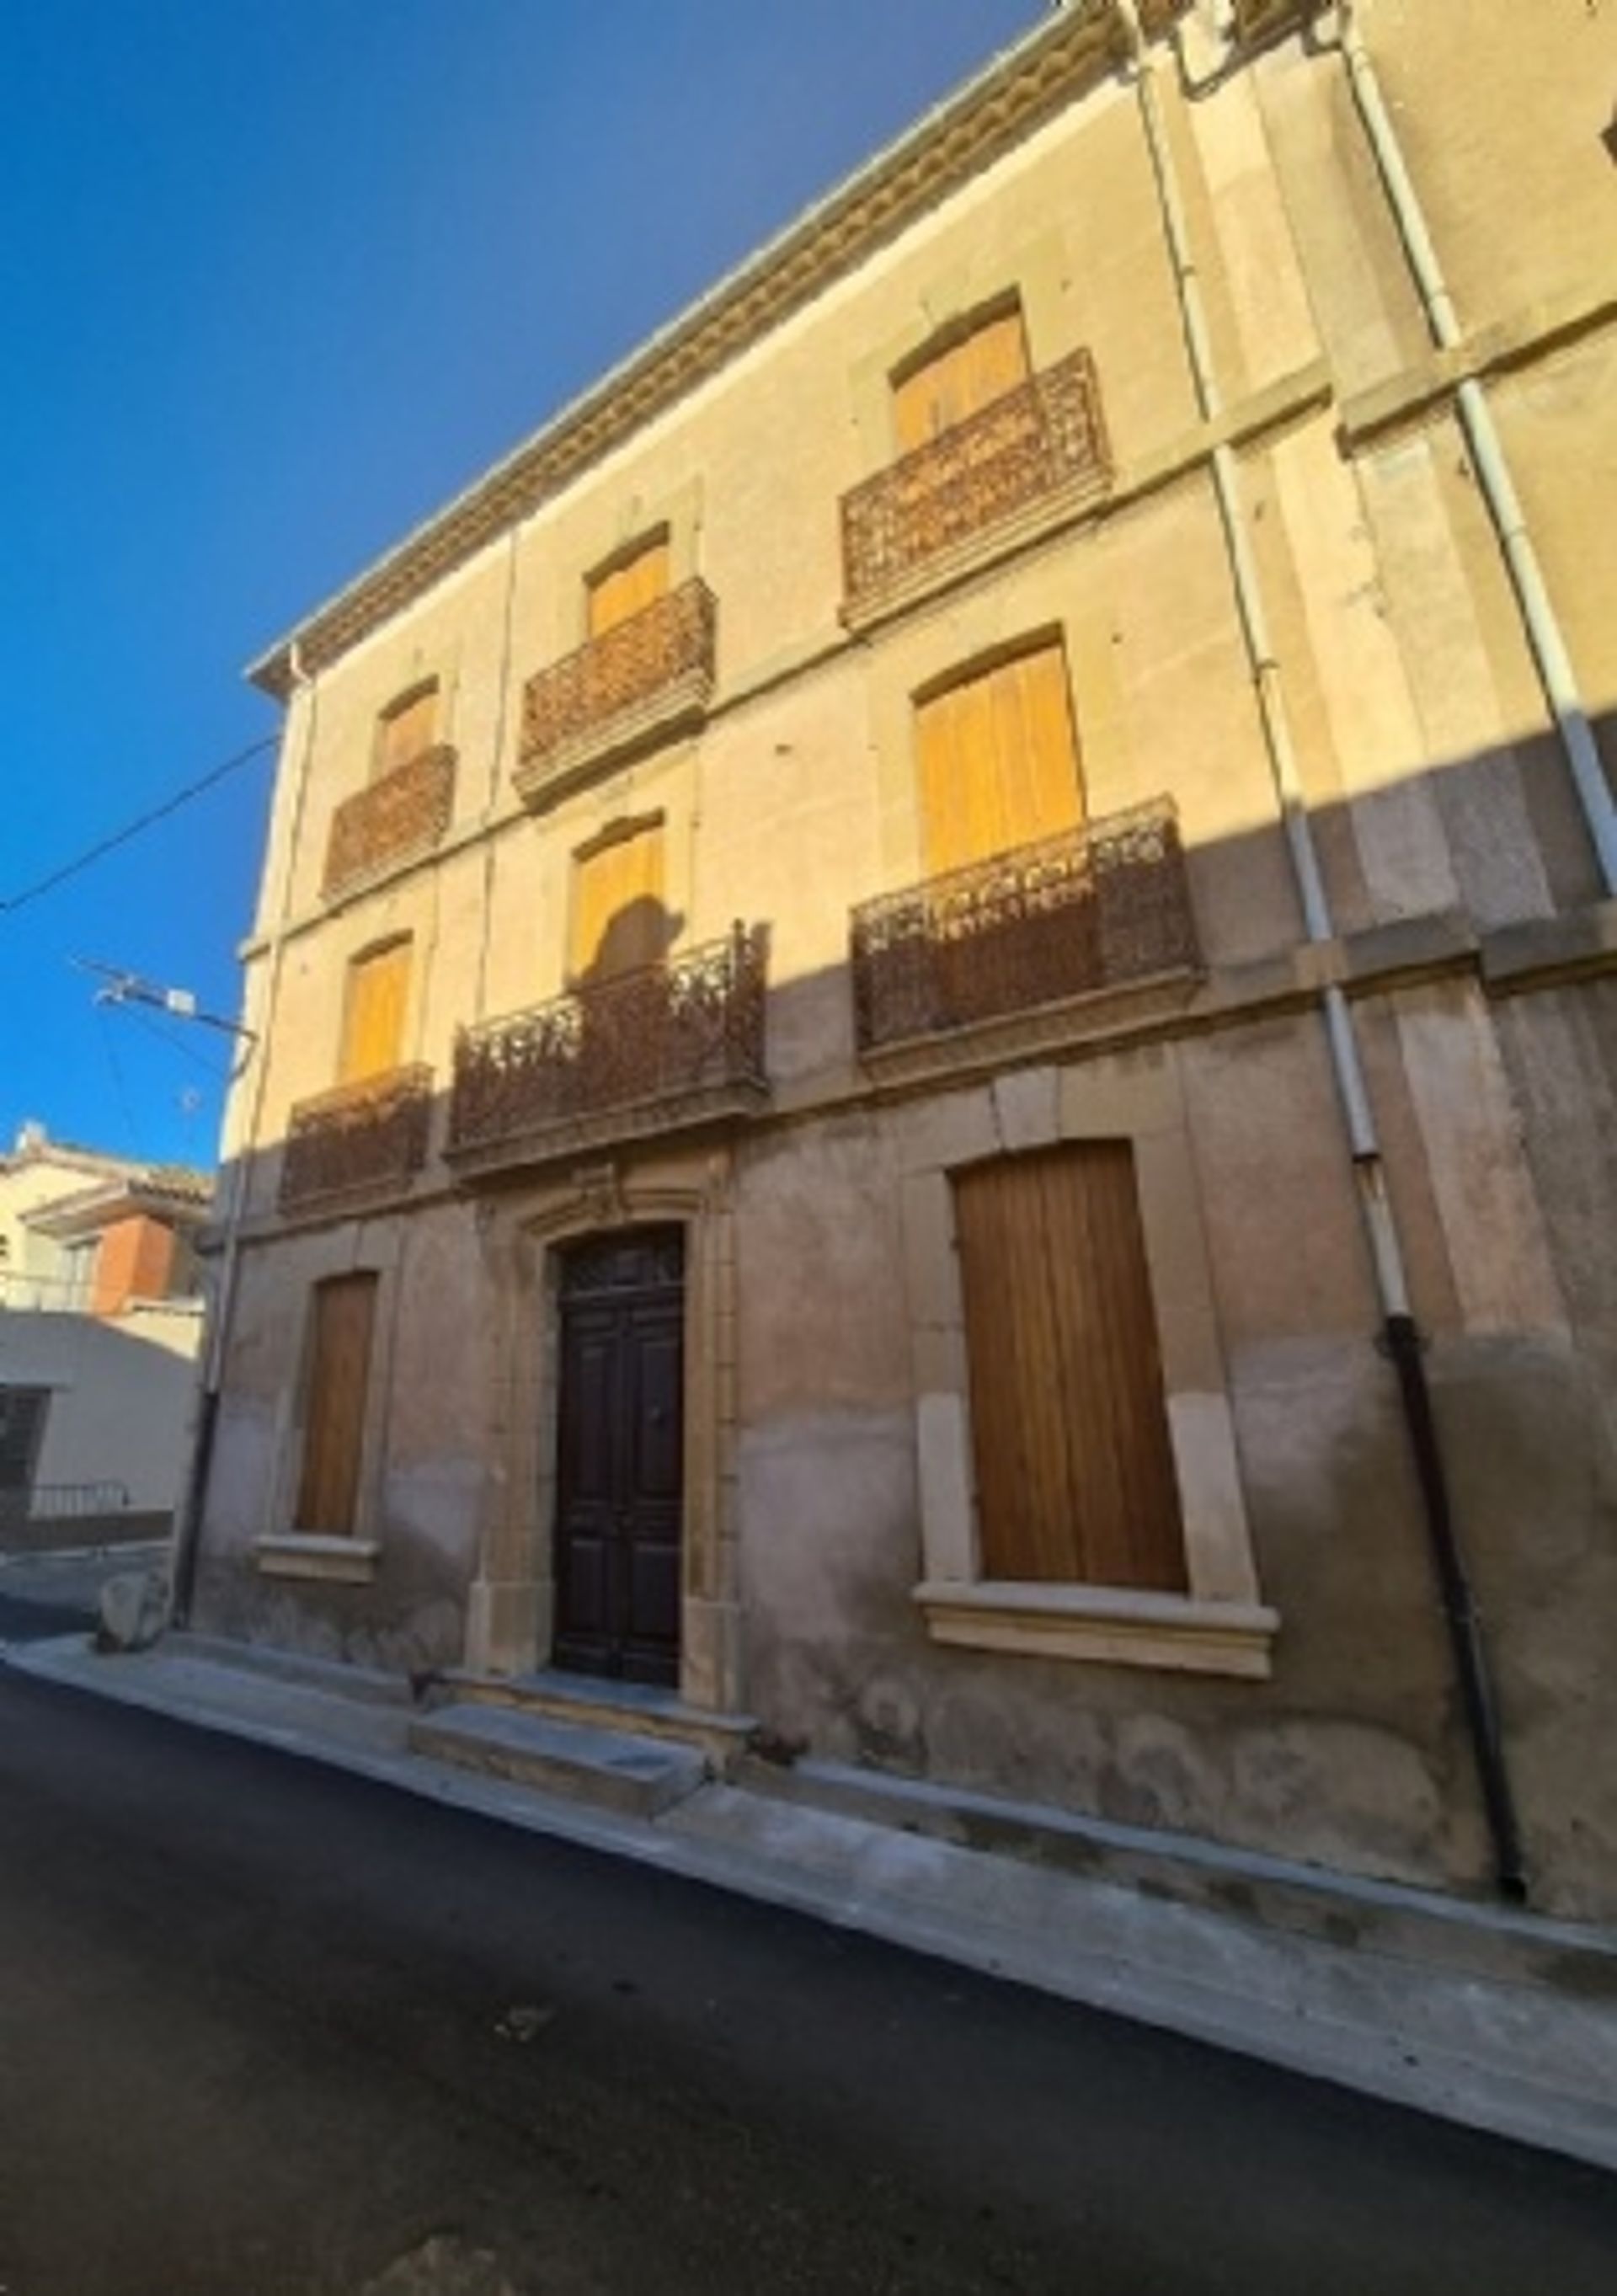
(998, 763)
(618, 922)
(373, 1034)
(995, 360)
(406, 731)
(637, 583)
(339, 1375)
(954, 382)
(1075, 1477)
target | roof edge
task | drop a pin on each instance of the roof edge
(1010, 97)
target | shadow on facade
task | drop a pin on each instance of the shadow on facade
(1471, 944)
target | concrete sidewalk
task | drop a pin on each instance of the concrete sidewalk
(1492, 2018)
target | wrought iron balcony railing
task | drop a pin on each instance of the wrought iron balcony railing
(636, 682)
(1090, 910)
(1255, 20)
(683, 1040)
(369, 1134)
(1045, 437)
(398, 818)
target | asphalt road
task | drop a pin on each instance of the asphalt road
(269, 2028)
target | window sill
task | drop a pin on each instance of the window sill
(316, 1555)
(1115, 1626)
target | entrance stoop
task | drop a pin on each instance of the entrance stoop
(633, 1709)
(638, 1776)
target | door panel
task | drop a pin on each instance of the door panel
(621, 1458)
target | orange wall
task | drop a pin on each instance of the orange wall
(134, 1262)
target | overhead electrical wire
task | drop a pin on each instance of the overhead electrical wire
(135, 828)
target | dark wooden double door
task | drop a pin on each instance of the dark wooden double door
(620, 1457)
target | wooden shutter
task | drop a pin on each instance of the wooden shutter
(626, 588)
(619, 923)
(339, 1376)
(998, 763)
(1075, 1478)
(406, 729)
(956, 382)
(373, 1026)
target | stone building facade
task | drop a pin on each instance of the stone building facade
(939, 1043)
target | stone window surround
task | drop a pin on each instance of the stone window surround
(415, 690)
(1013, 618)
(659, 789)
(1221, 1626)
(1031, 273)
(510, 1613)
(280, 1550)
(623, 825)
(593, 533)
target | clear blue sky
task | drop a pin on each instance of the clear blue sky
(279, 277)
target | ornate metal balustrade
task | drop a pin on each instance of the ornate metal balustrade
(369, 1134)
(1255, 20)
(398, 818)
(1099, 906)
(1045, 437)
(639, 680)
(671, 1042)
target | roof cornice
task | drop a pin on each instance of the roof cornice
(183, 1199)
(1003, 105)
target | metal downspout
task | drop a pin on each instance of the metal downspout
(1402, 1338)
(188, 1524)
(1538, 616)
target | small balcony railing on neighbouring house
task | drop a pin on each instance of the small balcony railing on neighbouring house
(633, 684)
(1043, 440)
(667, 1046)
(398, 818)
(63, 1502)
(366, 1136)
(1093, 909)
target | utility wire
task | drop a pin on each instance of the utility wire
(118, 1087)
(221, 1076)
(133, 829)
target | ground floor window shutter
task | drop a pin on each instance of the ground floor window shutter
(1075, 1477)
(339, 1379)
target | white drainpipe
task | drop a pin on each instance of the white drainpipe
(1489, 459)
(1404, 1343)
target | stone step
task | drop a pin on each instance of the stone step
(638, 1776)
(633, 1709)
